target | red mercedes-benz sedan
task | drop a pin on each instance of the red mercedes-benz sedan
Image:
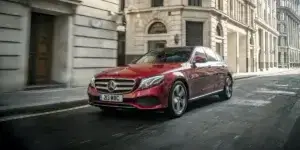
(166, 79)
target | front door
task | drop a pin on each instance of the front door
(41, 37)
(199, 75)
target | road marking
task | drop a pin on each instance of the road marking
(245, 102)
(271, 97)
(263, 90)
(40, 114)
(282, 85)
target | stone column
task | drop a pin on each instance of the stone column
(237, 52)
(262, 53)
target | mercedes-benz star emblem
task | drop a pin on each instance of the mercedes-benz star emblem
(111, 86)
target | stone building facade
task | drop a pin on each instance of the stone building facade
(288, 16)
(227, 26)
(55, 42)
(267, 34)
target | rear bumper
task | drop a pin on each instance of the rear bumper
(149, 99)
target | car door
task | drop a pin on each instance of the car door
(221, 72)
(212, 71)
(199, 75)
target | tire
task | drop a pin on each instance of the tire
(177, 100)
(226, 94)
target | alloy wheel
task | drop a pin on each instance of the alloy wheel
(179, 99)
(228, 87)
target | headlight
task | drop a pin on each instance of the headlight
(152, 81)
(92, 82)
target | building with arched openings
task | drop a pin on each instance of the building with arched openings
(228, 27)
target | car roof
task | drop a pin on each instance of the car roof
(187, 48)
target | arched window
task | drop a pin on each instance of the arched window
(219, 30)
(157, 28)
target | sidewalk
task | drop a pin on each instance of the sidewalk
(24, 102)
(27, 102)
(237, 76)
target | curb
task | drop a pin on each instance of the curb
(42, 108)
(245, 77)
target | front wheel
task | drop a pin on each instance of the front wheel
(226, 94)
(178, 98)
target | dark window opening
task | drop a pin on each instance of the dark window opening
(157, 3)
(219, 32)
(195, 3)
(122, 5)
(194, 33)
(157, 28)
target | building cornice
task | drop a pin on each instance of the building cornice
(290, 12)
(28, 2)
(260, 22)
(192, 8)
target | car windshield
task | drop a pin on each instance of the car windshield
(167, 55)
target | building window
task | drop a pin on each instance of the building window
(157, 3)
(157, 28)
(281, 16)
(219, 4)
(194, 33)
(218, 30)
(195, 3)
(122, 5)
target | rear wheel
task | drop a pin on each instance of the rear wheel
(227, 90)
(178, 98)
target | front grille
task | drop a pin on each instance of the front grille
(121, 85)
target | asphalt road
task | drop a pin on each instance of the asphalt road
(263, 114)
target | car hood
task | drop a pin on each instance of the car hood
(138, 70)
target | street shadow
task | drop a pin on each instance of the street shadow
(293, 141)
(157, 116)
(9, 138)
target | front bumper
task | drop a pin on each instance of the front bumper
(148, 99)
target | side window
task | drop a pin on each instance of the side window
(200, 52)
(219, 58)
(211, 56)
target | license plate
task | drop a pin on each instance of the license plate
(111, 98)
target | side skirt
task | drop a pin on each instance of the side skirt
(205, 95)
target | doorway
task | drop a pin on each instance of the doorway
(40, 53)
(121, 49)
